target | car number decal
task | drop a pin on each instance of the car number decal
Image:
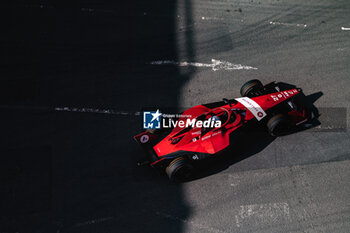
(253, 107)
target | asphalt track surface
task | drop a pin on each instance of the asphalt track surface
(75, 170)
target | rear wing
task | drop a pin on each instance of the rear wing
(144, 138)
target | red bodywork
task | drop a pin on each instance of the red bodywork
(213, 140)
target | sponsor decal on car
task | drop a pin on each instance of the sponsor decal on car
(253, 107)
(144, 138)
(285, 94)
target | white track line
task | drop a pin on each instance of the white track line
(211, 18)
(345, 29)
(93, 221)
(72, 109)
(96, 110)
(215, 65)
(288, 24)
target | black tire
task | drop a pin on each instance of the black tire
(179, 169)
(279, 125)
(250, 86)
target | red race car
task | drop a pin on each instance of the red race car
(203, 131)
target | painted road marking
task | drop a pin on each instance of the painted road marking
(288, 24)
(215, 65)
(263, 213)
(345, 29)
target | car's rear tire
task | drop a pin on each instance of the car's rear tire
(179, 169)
(279, 125)
(251, 86)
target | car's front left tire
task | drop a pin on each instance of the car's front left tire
(251, 86)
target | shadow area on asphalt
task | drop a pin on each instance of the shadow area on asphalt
(76, 171)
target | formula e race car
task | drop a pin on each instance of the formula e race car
(204, 131)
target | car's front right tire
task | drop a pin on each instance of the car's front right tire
(279, 125)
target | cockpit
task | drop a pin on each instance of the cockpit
(211, 121)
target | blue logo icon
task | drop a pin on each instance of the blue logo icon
(151, 120)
